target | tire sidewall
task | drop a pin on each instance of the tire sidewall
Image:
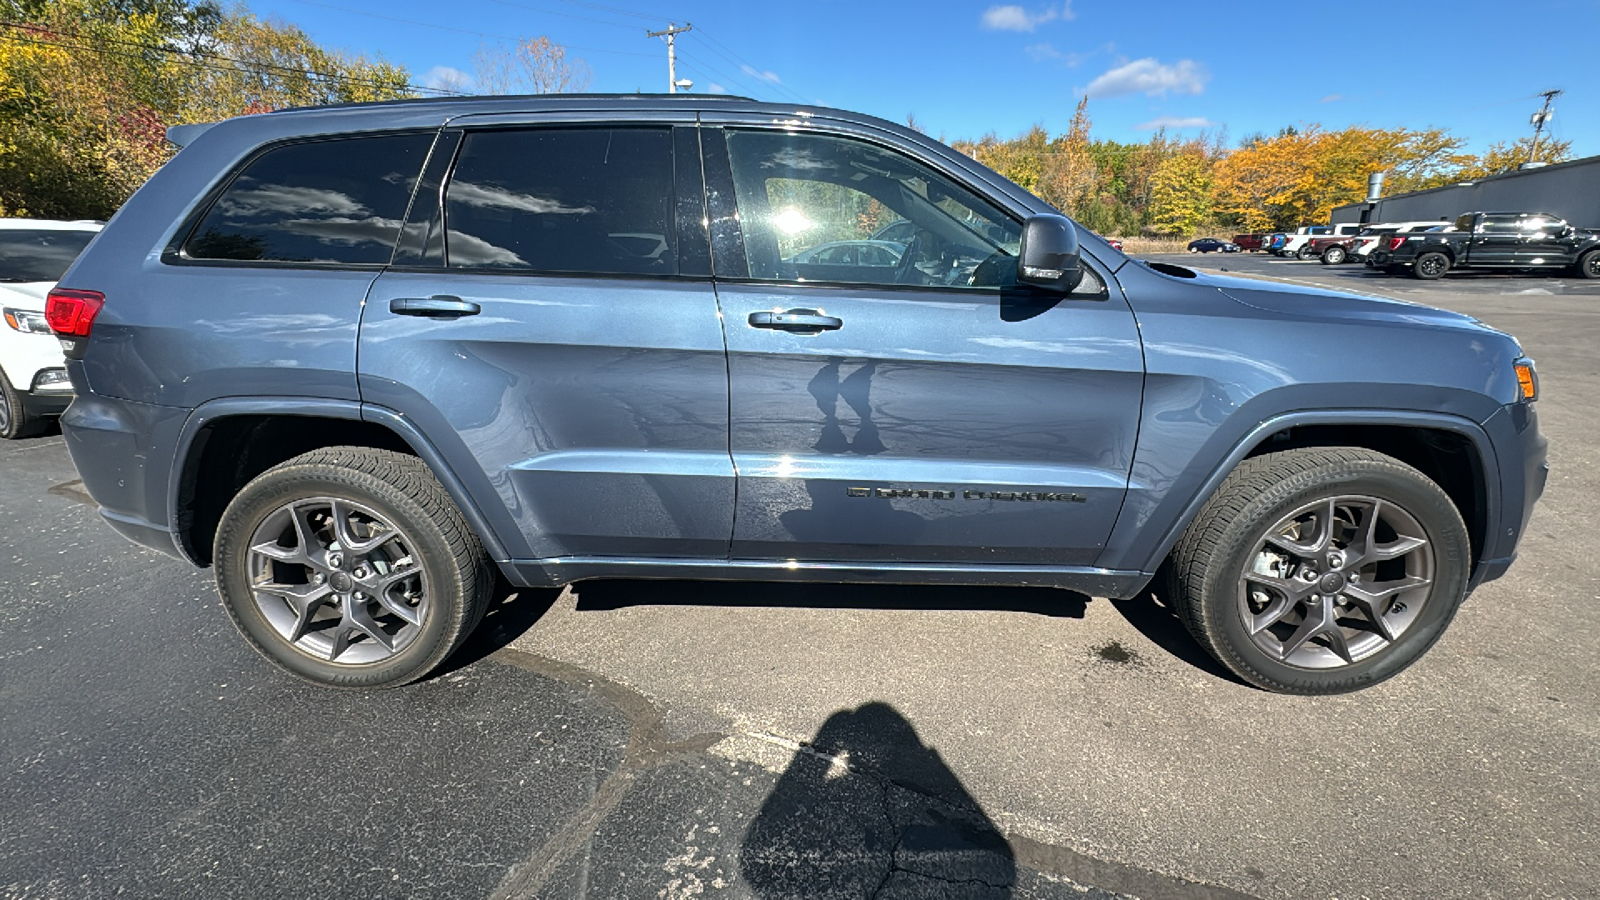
(1452, 559)
(277, 487)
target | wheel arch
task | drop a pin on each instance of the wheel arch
(227, 442)
(1452, 451)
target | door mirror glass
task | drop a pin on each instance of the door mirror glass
(1049, 256)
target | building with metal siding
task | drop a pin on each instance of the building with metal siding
(1570, 190)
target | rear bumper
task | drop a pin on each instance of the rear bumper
(123, 452)
(42, 403)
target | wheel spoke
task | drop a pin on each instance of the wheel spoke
(1320, 539)
(304, 599)
(1396, 549)
(274, 550)
(1272, 615)
(1319, 620)
(1383, 590)
(347, 537)
(1369, 606)
(357, 616)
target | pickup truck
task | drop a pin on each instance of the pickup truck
(1498, 240)
(1354, 248)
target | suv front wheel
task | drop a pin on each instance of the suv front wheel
(1321, 571)
(351, 567)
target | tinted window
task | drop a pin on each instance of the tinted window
(1498, 225)
(338, 201)
(819, 208)
(578, 200)
(43, 255)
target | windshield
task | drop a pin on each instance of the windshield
(39, 255)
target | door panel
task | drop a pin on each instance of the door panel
(596, 408)
(930, 428)
(546, 318)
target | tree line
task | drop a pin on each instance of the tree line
(88, 88)
(1183, 186)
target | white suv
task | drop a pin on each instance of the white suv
(33, 376)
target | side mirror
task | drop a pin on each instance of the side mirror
(1049, 254)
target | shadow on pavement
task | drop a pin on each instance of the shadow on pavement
(511, 613)
(614, 594)
(1152, 616)
(868, 810)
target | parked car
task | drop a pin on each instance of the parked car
(1509, 240)
(1274, 242)
(1251, 242)
(286, 372)
(1298, 245)
(1209, 245)
(33, 376)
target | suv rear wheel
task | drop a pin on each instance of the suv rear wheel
(351, 567)
(1333, 256)
(1321, 571)
(1589, 264)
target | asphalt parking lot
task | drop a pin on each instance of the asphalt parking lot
(681, 739)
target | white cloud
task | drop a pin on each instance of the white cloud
(1176, 122)
(1014, 18)
(753, 72)
(1150, 76)
(446, 78)
(1331, 98)
(715, 88)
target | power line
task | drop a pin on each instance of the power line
(195, 55)
(740, 61)
(710, 70)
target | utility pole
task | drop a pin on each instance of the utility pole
(671, 31)
(1539, 118)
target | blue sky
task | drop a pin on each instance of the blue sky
(967, 68)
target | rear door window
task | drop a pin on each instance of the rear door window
(587, 200)
(326, 201)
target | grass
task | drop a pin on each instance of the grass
(1154, 244)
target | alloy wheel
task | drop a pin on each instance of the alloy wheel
(1336, 581)
(337, 580)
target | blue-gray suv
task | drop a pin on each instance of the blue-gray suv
(359, 358)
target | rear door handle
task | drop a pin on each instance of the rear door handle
(805, 321)
(439, 306)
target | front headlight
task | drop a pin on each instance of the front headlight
(27, 322)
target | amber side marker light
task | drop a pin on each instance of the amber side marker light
(1527, 379)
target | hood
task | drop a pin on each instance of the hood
(28, 295)
(1318, 303)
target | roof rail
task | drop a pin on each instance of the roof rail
(489, 98)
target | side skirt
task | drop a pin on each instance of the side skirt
(566, 570)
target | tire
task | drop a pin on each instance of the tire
(1194, 250)
(1314, 636)
(1430, 266)
(1333, 256)
(1589, 265)
(1304, 253)
(428, 568)
(15, 419)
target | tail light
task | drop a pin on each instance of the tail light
(71, 313)
(1395, 242)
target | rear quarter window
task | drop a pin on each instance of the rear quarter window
(335, 201)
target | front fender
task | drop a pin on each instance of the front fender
(1162, 505)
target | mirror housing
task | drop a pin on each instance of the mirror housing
(1049, 256)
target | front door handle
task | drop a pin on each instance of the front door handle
(802, 321)
(439, 306)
